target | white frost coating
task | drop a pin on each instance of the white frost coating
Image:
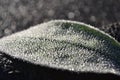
(50, 44)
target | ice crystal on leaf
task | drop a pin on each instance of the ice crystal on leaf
(67, 45)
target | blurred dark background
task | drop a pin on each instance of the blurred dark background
(16, 15)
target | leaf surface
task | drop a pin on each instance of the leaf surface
(67, 45)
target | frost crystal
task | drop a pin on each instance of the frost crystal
(65, 45)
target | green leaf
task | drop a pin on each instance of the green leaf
(67, 45)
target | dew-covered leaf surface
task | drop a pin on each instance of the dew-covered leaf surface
(67, 45)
